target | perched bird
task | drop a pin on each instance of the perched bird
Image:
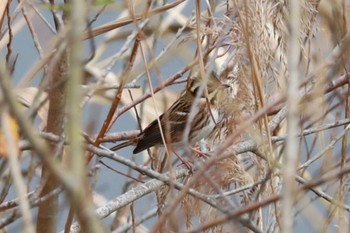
(201, 118)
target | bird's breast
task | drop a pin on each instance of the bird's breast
(206, 126)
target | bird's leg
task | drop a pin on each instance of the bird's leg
(185, 162)
(202, 145)
(200, 153)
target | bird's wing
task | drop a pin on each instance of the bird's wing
(149, 137)
(174, 119)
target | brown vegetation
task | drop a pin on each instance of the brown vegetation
(276, 161)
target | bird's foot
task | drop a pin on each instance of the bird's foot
(185, 162)
(200, 154)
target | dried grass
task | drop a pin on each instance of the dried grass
(135, 47)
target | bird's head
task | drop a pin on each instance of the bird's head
(208, 88)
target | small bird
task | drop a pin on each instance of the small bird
(174, 120)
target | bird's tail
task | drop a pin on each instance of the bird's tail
(122, 145)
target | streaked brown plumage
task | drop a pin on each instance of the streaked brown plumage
(205, 116)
